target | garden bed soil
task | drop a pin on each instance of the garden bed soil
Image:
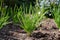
(47, 30)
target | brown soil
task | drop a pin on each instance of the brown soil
(46, 31)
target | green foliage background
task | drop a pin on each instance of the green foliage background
(20, 12)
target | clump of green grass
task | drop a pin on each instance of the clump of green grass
(31, 19)
(3, 17)
(56, 12)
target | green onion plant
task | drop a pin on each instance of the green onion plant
(31, 19)
(3, 17)
(56, 12)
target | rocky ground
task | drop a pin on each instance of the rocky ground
(47, 30)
